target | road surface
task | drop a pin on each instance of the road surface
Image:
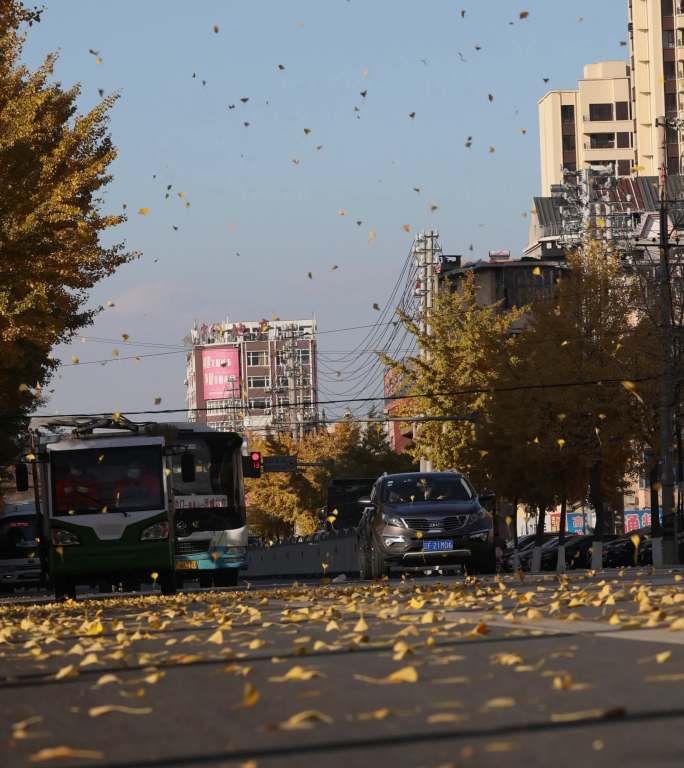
(585, 671)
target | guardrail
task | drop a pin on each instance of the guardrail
(327, 553)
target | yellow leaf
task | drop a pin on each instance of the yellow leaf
(361, 625)
(506, 659)
(143, 211)
(107, 679)
(562, 682)
(587, 714)
(250, 695)
(376, 714)
(403, 675)
(216, 638)
(500, 702)
(304, 720)
(480, 629)
(106, 709)
(536, 271)
(331, 625)
(662, 657)
(255, 644)
(68, 671)
(500, 746)
(428, 617)
(674, 678)
(297, 673)
(61, 753)
(445, 717)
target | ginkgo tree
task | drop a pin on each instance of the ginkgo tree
(54, 166)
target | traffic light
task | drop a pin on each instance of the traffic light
(251, 465)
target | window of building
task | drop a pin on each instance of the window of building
(281, 381)
(567, 113)
(624, 167)
(258, 381)
(601, 140)
(303, 355)
(669, 70)
(668, 38)
(257, 358)
(623, 140)
(260, 403)
(600, 112)
(621, 110)
(670, 102)
(666, 7)
(569, 143)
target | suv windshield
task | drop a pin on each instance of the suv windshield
(18, 536)
(107, 480)
(406, 490)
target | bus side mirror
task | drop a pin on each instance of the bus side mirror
(188, 467)
(21, 476)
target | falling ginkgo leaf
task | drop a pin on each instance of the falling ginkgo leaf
(250, 695)
(143, 211)
(297, 674)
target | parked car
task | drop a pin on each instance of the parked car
(525, 546)
(19, 557)
(423, 520)
(620, 552)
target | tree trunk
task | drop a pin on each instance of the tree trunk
(655, 504)
(560, 563)
(599, 527)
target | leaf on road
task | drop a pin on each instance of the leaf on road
(62, 753)
(106, 709)
(403, 675)
(297, 673)
(445, 717)
(250, 695)
(500, 702)
(361, 625)
(376, 714)
(588, 714)
(506, 659)
(68, 671)
(662, 657)
(107, 679)
(304, 720)
(672, 678)
(480, 629)
(216, 638)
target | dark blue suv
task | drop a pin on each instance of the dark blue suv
(423, 520)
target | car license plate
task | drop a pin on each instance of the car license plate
(438, 545)
(186, 565)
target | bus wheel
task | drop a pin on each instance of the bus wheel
(227, 578)
(64, 588)
(205, 580)
(167, 582)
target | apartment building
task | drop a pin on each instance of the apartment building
(589, 127)
(256, 375)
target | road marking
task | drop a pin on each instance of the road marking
(648, 636)
(552, 626)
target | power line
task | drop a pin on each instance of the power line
(422, 395)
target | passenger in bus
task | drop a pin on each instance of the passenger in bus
(75, 491)
(139, 488)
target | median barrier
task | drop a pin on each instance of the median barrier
(328, 554)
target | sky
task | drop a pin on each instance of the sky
(261, 203)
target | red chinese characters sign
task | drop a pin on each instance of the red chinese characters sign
(221, 373)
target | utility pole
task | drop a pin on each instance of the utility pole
(670, 548)
(426, 249)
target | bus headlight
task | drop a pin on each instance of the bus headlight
(63, 538)
(155, 532)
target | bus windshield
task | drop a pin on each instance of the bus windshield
(102, 480)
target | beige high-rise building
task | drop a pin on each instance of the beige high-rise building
(589, 126)
(656, 30)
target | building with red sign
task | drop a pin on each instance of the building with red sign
(253, 375)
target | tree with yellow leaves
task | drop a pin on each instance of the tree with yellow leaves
(53, 167)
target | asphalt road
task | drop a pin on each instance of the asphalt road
(587, 671)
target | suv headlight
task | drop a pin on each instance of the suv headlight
(63, 538)
(155, 532)
(393, 520)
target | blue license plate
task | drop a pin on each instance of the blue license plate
(438, 545)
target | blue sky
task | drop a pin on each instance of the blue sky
(258, 222)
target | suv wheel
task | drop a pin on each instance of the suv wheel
(65, 588)
(485, 564)
(226, 578)
(167, 582)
